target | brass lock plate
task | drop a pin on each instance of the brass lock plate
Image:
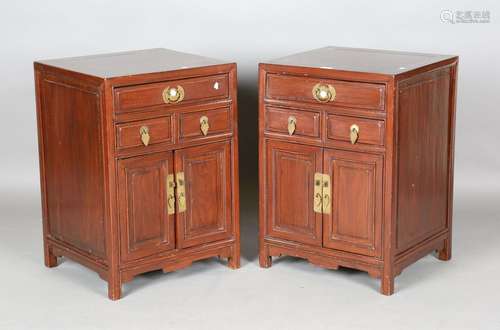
(318, 193)
(181, 192)
(327, 194)
(170, 194)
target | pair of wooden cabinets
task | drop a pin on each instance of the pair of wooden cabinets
(139, 160)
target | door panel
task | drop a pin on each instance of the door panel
(354, 224)
(146, 227)
(290, 189)
(207, 176)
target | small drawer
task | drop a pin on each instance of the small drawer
(363, 131)
(144, 133)
(328, 92)
(185, 91)
(292, 122)
(205, 124)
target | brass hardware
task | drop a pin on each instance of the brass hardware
(173, 94)
(204, 126)
(318, 193)
(181, 192)
(292, 124)
(170, 194)
(354, 133)
(324, 93)
(144, 132)
(327, 200)
(322, 193)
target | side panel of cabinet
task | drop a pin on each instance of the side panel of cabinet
(207, 176)
(289, 189)
(354, 224)
(146, 227)
(70, 122)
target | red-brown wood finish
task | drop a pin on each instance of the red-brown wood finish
(290, 192)
(355, 223)
(146, 228)
(104, 192)
(391, 190)
(208, 194)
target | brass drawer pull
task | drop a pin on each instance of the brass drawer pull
(354, 133)
(324, 93)
(204, 125)
(144, 132)
(292, 125)
(173, 94)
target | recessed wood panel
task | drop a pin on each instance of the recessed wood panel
(146, 227)
(423, 139)
(354, 224)
(208, 194)
(72, 156)
(290, 190)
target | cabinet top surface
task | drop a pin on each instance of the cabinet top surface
(131, 62)
(361, 60)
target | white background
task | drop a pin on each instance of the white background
(249, 32)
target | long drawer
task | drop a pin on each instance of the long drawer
(326, 91)
(174, 92)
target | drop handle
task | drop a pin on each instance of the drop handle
(354, 133)
(204, 125)
(144, 133)
(292, 125)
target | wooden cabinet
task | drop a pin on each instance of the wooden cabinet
(356, 158)
(138, 161)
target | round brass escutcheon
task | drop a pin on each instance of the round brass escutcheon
(173, 94)
(324, 93)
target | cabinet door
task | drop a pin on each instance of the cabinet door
(290, 192)
(146, 228)
(207, 180)
(354, 223)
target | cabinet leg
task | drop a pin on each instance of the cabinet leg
(49, 258)
(387, 285)
(445, 253)
(265, 260)
(234, 259)
(114, 290)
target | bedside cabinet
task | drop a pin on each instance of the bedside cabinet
(356, 158)
(138, 161)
